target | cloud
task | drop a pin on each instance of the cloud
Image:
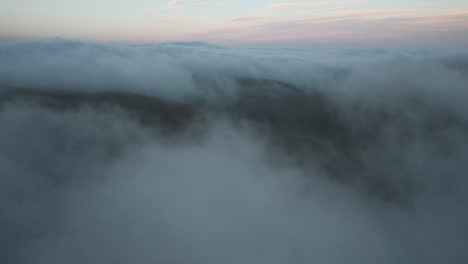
(248, 18)
(299, 155)
(177, 6)
(164, 21)
(367, 26)
(175, 2)
(295, 5)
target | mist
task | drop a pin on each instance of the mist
(196, 153)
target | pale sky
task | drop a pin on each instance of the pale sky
(433, 23)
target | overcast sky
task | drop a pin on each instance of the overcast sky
(428, 23)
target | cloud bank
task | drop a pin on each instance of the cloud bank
(194, 153)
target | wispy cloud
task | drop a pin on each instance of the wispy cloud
(177, 6)
(301, 8)
(339, 14)
(364, 26)
(294, 4)
(175, 2)
(163, 21)
(248, 18)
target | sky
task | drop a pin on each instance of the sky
(419, 23)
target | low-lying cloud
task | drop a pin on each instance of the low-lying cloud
(195, 153)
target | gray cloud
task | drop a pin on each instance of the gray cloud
(298, 156)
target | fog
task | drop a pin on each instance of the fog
(195, 153)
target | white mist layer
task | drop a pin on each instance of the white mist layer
(94, 186)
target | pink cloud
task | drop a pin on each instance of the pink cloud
(247, 18)
(163, 21)
(336, 4)
(378, 26)
(175, 2)
(295, 4)
(176, 6)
